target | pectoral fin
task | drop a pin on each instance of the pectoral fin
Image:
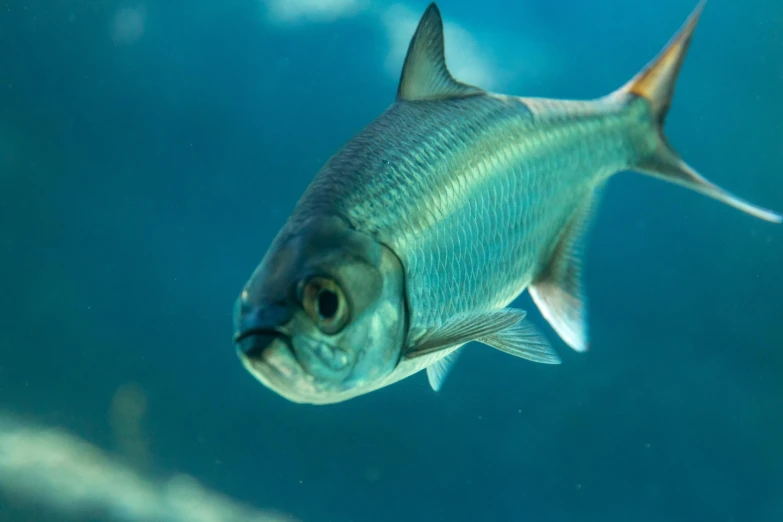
(463, 328)
(502, 329)
(525, 341)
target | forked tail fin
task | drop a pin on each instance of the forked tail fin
(655, 83)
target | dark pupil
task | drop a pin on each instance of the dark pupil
(327, 304)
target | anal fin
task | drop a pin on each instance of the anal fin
(557, 291)
(439, 370)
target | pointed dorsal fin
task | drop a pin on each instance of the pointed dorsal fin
(424, 73)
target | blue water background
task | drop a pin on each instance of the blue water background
(143, 176)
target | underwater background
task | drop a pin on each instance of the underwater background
(150, 151)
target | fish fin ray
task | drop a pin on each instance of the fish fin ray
(440, 369)
(525, 341)
(463, 328)
(667, 165)
(656, 84)
(424, 72)
(656, 81)
(558, 291)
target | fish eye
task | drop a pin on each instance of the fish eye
(328, 303)
(324, 302)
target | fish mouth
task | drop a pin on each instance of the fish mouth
(253, 342)
(268, 368)
(307, 375)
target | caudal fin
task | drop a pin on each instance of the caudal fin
(655, 83)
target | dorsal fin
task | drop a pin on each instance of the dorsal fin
(424, 73)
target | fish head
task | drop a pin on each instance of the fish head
(323, 317)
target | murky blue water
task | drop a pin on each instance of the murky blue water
(149, 151)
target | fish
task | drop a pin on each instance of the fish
(418, 234)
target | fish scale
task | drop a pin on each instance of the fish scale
(468, 183)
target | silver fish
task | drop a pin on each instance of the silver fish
(415, 237)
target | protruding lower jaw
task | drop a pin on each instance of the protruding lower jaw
(274, 365)
(300, 375)
(253, 343)
(298, 367)
(258, 328)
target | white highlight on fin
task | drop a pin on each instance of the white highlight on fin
(563, 311)
(439, 370)
(558, 290)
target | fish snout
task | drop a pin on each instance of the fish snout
(257, 326)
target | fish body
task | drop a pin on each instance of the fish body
(465, 199)
(471, 193)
